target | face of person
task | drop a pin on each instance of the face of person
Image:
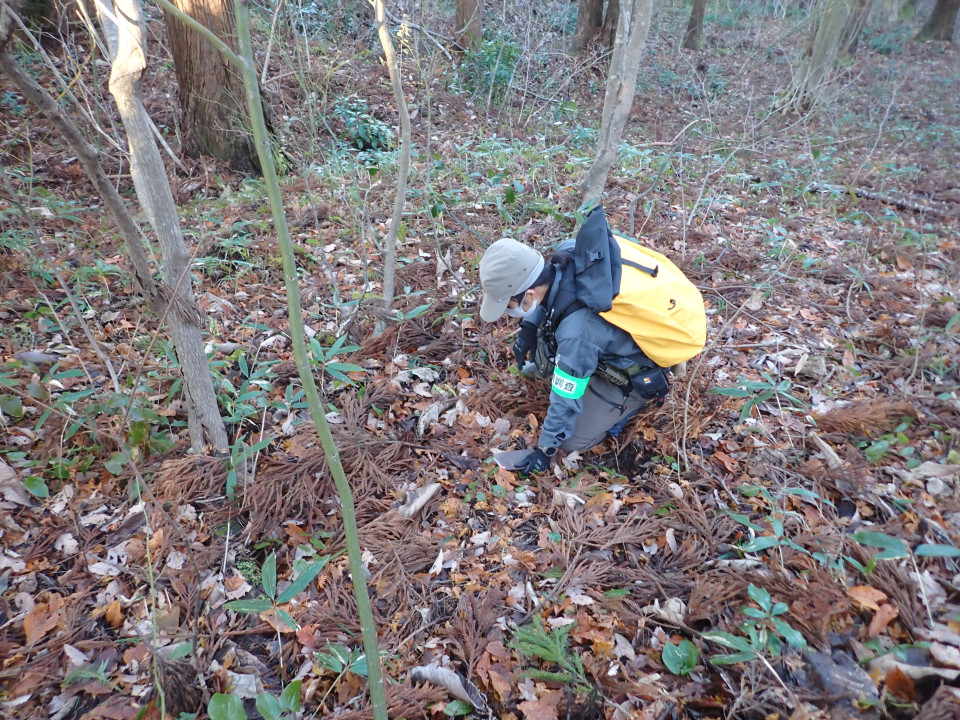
(525, 303)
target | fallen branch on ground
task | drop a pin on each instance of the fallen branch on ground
(882, 197)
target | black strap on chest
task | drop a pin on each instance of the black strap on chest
(563, 299)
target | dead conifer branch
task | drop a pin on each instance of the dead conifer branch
(860, 192)
(867, 418)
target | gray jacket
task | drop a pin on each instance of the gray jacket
(584, 339)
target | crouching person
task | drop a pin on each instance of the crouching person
(599, 374)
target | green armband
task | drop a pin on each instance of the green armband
(568, 386)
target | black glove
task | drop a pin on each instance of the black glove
(525, 343)
(537, 461)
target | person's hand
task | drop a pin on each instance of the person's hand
(525, 343)
(536, 462)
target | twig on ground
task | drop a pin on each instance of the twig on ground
(859, 192)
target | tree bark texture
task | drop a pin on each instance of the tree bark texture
(693, 37)
(609, 30)
(469, 23)
(213, 118)
(940, 24)
(816, 67)
(628, 47)
(589, 19)
(856, 22)
(153, 190)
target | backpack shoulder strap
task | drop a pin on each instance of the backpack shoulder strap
(563, 298)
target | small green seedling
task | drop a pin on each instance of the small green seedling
(230, 707)
(325, 358)
(680, 659)
(763, 631)
(759, 391)
(268, 581)
(552, 647)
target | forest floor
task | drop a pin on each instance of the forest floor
(794, 504)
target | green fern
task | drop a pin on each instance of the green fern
(550, 646)
(96, 672)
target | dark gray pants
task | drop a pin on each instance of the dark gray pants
(604, 405)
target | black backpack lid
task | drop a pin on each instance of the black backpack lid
(597, 262)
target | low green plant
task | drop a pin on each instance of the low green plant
(11, 405)
(86, 409)
(892, 548)
(240, 453)
(889, 43)
(860, 283)
(11, 102)
(759, 391)
(306, 571)
(229, 256)
(363, 130)
(230, 707)
(763, 633)
(775, 536)
(324, 357)
(332, 19)
(14, 241)
(553, 647)
(896, 443)
(341, 659)
(680, 658)
(249, 570)
(244, 402)
(941, 366)
(91, 671)
(487, 70)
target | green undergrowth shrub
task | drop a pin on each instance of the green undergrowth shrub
(361, 128)
(487, 70)
(333, 19)
(889, 42)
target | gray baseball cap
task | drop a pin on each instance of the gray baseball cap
(507, 268)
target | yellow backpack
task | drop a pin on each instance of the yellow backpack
(638, 290)
(657, 305)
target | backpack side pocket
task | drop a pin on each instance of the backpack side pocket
(651, 384)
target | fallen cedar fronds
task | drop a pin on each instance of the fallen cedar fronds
(944, 705)
(403, 701)
(190, 478)
(867, 418)
(469, 631)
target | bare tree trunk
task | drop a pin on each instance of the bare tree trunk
(153, 190)
(621, 83)
(390, 260)
(469, 23)
(589, 18)
(609, 30)
(816, 67)
(940, 24)
(850, 38)
(693, 37)
(213, 118)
